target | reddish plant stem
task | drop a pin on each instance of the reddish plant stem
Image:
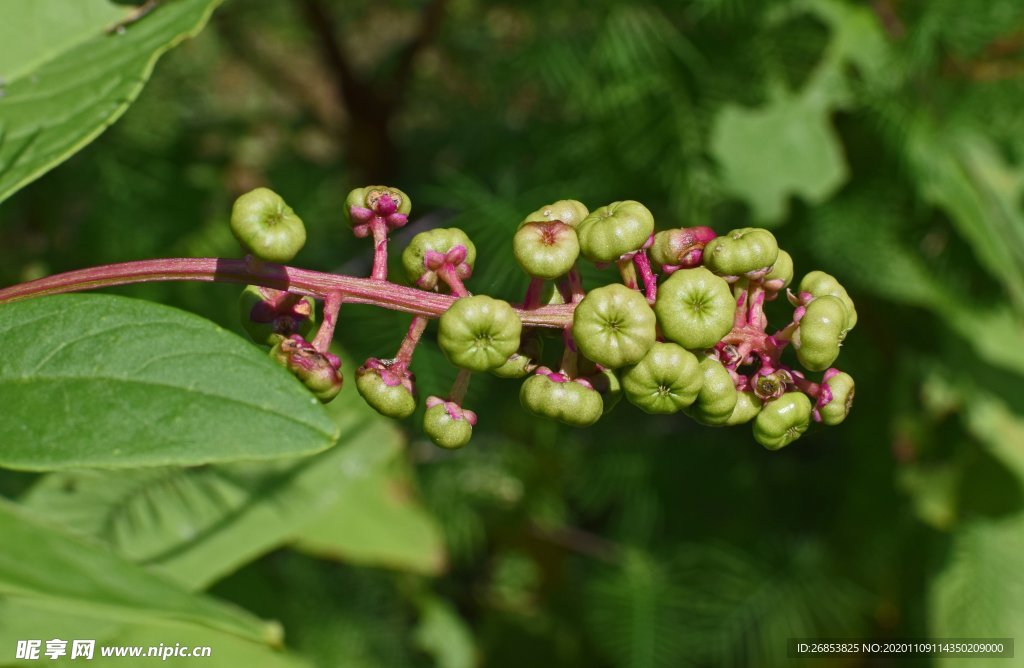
(448, 274)
(380, 249)
(324, 335)
(300, 281)
(808, 387)
(460, 386)
(628, 273)
(569, 365)
(412, 338)
(533, 292)
(739, 317)
(575, 285)
(643, 265)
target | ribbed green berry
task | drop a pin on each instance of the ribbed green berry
(394, 401)
(614, 230)
(717, 397)
(836, 410)
(695, 308)
(820, 332)
(741, 251)
(609, 385)
(783, 420)
(429, 250)
(267, 227)
(522, 362)
(568, 401)
(781, 274)
(820, 284)
(614, 326)
(546, 250)
(479, 333)
(569, 211)
(367, 197)
(747, 408)
(666, 380)
(445, 430)
(266, 324)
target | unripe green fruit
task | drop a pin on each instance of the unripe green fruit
(429, 251)
(367, 197)
(317, 371)
(393, 401)
(741, 251)
(820, 284)
(615, 230)
(267, 227)
(266, 325)
(614, 326)
(667, 379)
(836, 410)
(524, 361)
(717, 397)
(781, 274)
(479, 333)
(568, 211)
(568, 402)
(747, 408)
(444, 430)
(819, 333)
(783, 420)
(609, 386)
(546, 250)
(695, 308)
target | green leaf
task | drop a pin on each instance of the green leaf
(60, 97)
(101, 381)
(19, 620)
(56, 570)
(376, 522)
(196, 525)
(444, 635)
(979, 592)
(786, 147)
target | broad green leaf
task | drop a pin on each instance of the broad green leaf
(786, 147)
(19, 620)
(58, 98)
(102, 381)
(376, 522)
(196, 525)
(980, 592)
(56, 570)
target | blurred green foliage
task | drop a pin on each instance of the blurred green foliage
(882, 142)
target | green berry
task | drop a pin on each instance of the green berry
(717, 397)
(317, 371)
(747, 408)
(268, 316)
(568, 211)
(783, 420)
(367, 197)
(609, 386)
(266, 226)
(448, 424)
(741, 251)
(820, 284)
(615, 230)
(387, 389)
(568, 401)
(836, 410)
(667, 379)
(781, 274)
(429, 251)
(695, 308)
(479, 333)
(820, 332)
(524, 361)
(546, 250)
(614, 326)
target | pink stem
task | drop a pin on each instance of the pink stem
(533, 292)
(380, 249)
(301, 281)
(324, 335)
(576, 285)
(412, 338)
(448, 274)
(755, 315)
(643, 265)
(628, 273)
(460, 386)
(739, 318)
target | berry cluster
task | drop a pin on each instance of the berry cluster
(684, 330)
